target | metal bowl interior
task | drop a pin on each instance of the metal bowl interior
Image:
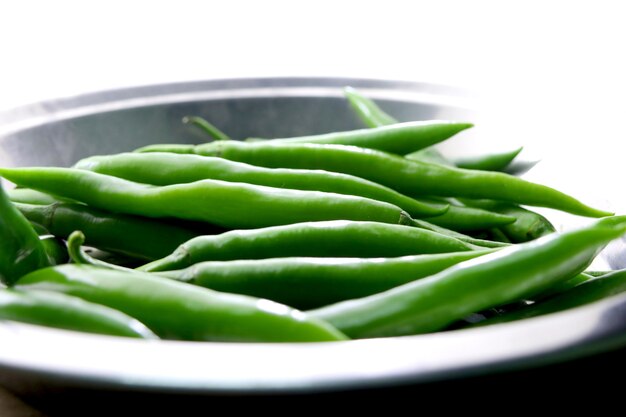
(61, 132)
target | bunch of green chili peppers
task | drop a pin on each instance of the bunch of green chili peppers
(359, 234)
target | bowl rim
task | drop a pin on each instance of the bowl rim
(92, 360)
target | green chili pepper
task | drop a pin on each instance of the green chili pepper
(176, 310)
(498, 236)
(467, 219)
(227, 204)
(170, 168)
(399, 138)
(367, 110)
(315, 239)
(166, 168)
(65, 312)
(530, 225)
(408, 177)
(21, 251)
(206, 127)
(488, 162)
(134, 236)
(430, 155)
(28, 196)
(564, 286)
(451, 233)
(587, 292)
(55, 249)
(299, 282)
(374, 116)
(307, 283)
(79, 256)
(511, 274)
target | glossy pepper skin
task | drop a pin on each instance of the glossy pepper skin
(21, 251)
(226, 204)
(467, 219)
(368, 111)
(398, 138)
(408, 177)
(488, 162)
(484, 243)
(65, 312)
(594, 289)
(373, 116)
(337, 238)
(169, 168)
(28, 196)
(206, 127)
(529, 225)
(55, 249)
(139, 237)
(160, 168)
(307, 283)
(175, 310)
(510, 274)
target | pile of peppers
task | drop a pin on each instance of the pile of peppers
(348, 235)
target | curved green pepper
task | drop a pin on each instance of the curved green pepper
(510, 274)
(21, 251)
(65, 312)
(398, 138)
(339, 238)
(170, 168)
(135, 236)
(530, 225)
(226, 204)
(489, 162)
(175, 310)
(594, 289)
(408, 177)
(307, 283)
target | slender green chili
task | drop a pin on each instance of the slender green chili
(399, 138)
(307, 283)
(367, 110)
(408, 177)
(373, 116)
(138, 237)
(530, 225)
(489, 162)
(462, 237)
(594, 289)
(79, 256)
(55, 249)
(28, 196)
(170, 168)
(175, 310)
(467, 219)
(510, 274)
(21, 250)
(206, 127)
(338, 238)
(66, 312)
(225, 204)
